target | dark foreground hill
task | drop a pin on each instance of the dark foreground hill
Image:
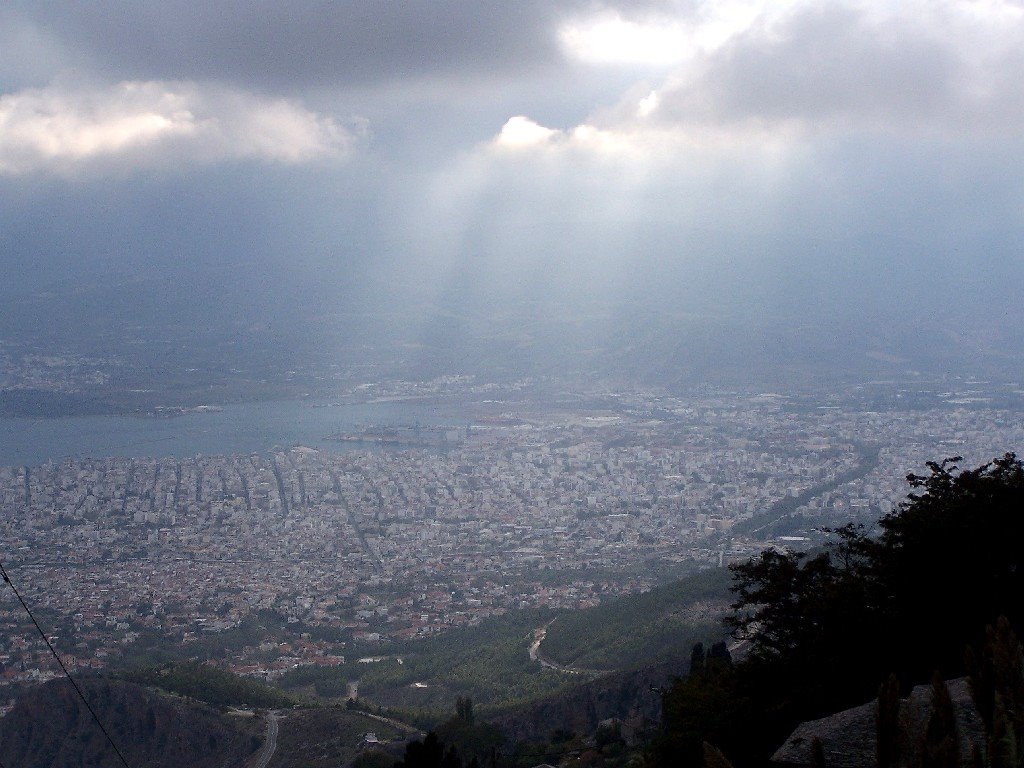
(51, 727)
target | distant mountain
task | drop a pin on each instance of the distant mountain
(50, 727)
(130, 343)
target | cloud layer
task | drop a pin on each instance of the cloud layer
(275, 46)
(765, 73)
(157, 124)
(825, 158)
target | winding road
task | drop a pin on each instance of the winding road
(262, 758)
(536, 655)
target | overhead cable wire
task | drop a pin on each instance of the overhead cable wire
(7, 579)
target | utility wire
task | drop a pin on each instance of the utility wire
(3, 572)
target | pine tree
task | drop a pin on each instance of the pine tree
(817, 753)
(719, 655)
(697, 658)
(429, 753)
(713, 757)
(941, 745)
(1002, 741)
(887, 723)
(997, 687)
(464, 709)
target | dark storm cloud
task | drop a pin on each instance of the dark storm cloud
(274, 45)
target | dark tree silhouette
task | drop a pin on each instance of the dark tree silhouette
(941, 746)
(887, 723)
(823, 629)
(429, 753)
(997, 687)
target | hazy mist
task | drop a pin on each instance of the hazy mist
(670, 190)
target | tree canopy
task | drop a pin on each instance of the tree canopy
(823, 630)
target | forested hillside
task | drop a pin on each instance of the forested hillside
(825, 631)
(489, 663)
(208, 684)
(50, 726)
(640, 630)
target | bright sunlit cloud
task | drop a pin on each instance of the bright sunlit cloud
(748, 72)
(614, 40)
(662, 41)
(157, 123)
(647, 104)
(521, 131)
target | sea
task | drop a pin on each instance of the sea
(259, 427)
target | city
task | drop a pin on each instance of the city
(362, 548)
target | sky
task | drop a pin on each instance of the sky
(765, 165)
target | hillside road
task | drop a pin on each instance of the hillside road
(262, 758)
